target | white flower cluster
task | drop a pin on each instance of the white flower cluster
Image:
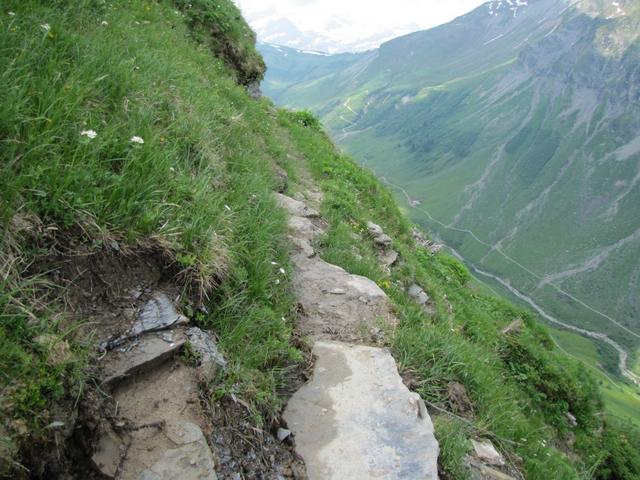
(91, 134)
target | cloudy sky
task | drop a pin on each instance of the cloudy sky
(368, 17)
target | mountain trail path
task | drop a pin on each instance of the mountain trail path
(354, 418)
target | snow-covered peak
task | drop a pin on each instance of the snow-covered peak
(513, 7)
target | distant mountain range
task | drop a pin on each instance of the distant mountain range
(514, 132)
(338, 35)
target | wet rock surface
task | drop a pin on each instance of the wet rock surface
(356, 419)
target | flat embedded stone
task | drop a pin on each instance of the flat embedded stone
(192, 461)
(389, 258)
(159, 313)
(336, 301)
(418, 294)
(294, 207)
(356, 419)
(303, 228)
(141, 354)
(487, 453)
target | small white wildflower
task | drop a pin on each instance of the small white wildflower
(46, 27)
(282, 271)
(89, 134)
(136, 139)
(277, 282)
(227, 207)
(12, 14)
(172, 169)
(104, 23)
(274, 263)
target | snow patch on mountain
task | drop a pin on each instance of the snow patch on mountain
(497, 7)
(337, 36)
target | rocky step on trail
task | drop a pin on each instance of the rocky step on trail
(355, 418)
(158, 428)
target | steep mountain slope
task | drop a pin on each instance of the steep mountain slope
(514, 132)
(137, 196)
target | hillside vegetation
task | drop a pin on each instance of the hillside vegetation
(126, 132)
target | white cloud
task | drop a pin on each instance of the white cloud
(367, 17)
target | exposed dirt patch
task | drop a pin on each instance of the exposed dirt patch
(103, 287)
(246, 452)
(459, 401)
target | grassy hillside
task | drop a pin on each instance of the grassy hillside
(81, 80)
(126, 133)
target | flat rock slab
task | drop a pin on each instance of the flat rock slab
(192, 461)
(338, 305)
(295, 208)
(157, 314)
(163, 407)
(356, 419)
(141, 354)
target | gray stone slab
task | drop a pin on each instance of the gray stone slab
(356, 419)
(295, 208)
(211, 360)
(192, 461)
(145, 352)
(157, 314)
(418, 294)
(338, 305)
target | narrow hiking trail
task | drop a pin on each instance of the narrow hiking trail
(355, 418)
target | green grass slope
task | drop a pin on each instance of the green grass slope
(80, 80)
